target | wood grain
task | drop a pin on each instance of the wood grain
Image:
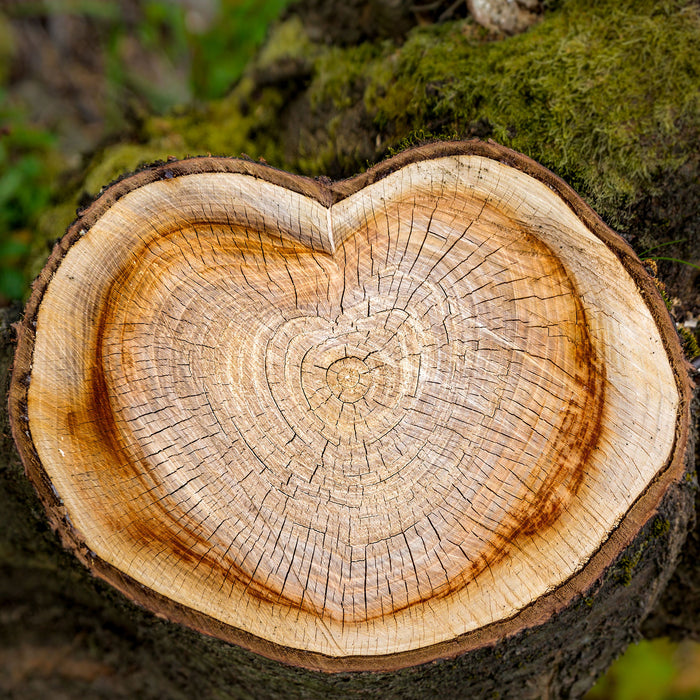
(350, 430)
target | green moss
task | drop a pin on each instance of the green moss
(288, 41)
(599, 93)
(659, 527)
(596, 92)
(117, 161)
(606, 95)
(624, 570)
(691, 480)
(690, 343)
(603, 94)
(626, 567)
(419, 137)
(664, 296)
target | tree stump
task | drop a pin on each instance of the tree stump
(356, 426)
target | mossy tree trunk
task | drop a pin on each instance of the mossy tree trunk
(608, 99)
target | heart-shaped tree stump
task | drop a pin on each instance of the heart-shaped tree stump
(357, 426)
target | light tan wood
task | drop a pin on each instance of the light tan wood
(355, 430)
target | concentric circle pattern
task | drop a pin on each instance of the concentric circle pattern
(355, 430)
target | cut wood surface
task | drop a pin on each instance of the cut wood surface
(350, 426)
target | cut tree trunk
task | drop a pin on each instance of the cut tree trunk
(434, 413)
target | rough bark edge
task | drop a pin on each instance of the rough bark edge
(677, 612)
(535, 614)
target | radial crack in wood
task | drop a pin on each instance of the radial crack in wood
(350, 426)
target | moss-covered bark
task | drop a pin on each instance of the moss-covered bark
(606, 95)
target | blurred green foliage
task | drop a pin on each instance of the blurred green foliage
(201, 47)
(25, 189)
(216, 52)
(656, 670)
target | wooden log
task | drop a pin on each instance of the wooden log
(360, 426)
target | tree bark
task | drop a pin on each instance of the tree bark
(67, 633)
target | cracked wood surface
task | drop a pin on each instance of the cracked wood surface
(347, 425)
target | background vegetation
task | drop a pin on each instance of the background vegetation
(76, 73)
